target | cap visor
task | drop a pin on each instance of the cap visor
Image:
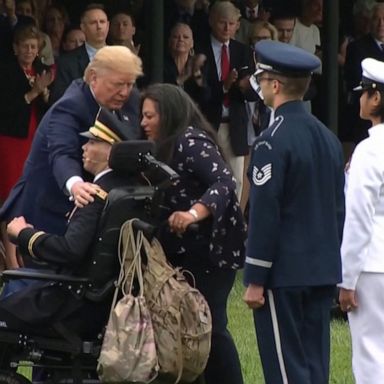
(89, 135)
(358, 88)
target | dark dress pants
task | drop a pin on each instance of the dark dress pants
(293, 334)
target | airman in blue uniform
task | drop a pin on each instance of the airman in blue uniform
(295, 226)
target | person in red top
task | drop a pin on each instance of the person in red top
(23, 100)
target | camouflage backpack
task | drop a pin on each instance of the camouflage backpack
(128, 352)
(180, 316)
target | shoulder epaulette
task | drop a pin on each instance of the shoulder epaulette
(101, 194)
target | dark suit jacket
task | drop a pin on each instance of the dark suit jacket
(357, 51)
(70, 66)
(44, 303)
(240, 56)
(15, 113)
(40, 194)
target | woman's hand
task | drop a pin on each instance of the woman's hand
(180, 220)
(42, 81)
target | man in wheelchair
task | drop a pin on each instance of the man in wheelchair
(72, 302)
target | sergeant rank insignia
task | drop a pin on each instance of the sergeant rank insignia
(261, 176)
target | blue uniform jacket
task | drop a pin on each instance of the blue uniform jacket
(40, 194)
(296, 203)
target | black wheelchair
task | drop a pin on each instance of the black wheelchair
(63, 355)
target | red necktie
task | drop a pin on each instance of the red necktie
(224, 70)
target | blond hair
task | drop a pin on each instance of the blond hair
(116, 58)
(224, 9)
(257, 26)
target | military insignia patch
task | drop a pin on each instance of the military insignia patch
(261, 176)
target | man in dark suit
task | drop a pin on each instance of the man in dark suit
(371, 45)
(53, 170)
(228, 66)
(71, 65)
(40, 303)
(296, 221)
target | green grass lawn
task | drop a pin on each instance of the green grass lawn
(241, 325)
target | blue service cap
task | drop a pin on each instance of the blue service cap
(372, 75)
(286, 59)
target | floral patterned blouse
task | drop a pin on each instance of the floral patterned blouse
(204, 178)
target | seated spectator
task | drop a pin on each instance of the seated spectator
(122, 30)
(182, 66)
(73, 38)
(24, 309)
(28, 8)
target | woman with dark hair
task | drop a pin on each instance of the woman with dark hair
(54, 24)
(205, 193)
(361, 292)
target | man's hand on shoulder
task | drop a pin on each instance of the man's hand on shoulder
(83, 192)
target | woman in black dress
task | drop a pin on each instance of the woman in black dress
(205, 193)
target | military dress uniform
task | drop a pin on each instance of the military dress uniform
(38, 305)
(295, 225)
(363, 243)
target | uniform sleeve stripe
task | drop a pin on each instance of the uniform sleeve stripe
(258, 262)
(32, 240)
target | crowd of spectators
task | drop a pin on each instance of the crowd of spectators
(70, 33)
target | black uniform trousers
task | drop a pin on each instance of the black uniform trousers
(293, 334)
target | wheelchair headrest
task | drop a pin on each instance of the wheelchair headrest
(126, 156)
(135, 156)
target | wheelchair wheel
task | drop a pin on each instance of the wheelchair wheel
(13, 378)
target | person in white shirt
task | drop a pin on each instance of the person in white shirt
(361, 291)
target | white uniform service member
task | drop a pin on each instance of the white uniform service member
(362, 289)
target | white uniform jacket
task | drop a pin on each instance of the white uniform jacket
(362, 248)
